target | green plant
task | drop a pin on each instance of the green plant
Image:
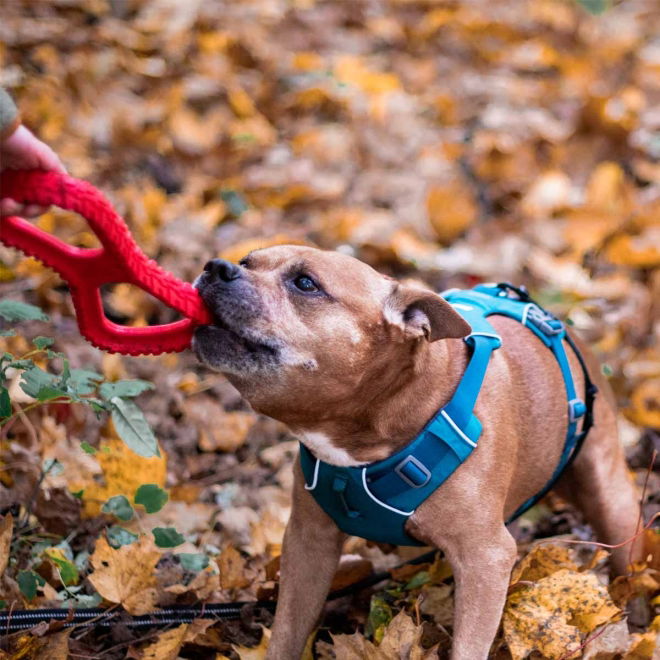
(46, 376)
(57, 383)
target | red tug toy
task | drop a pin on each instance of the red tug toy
(118, 260)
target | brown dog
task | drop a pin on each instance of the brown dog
(355, 364)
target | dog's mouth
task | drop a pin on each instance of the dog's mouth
(235, 348)
(244, 337)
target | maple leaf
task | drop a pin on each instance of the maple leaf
(401, 641)
(126, 575)
(550, 615)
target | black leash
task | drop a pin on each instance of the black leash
(12, 621)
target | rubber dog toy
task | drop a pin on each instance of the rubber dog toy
(86, 269)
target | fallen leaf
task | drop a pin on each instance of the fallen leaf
(438, 602)
(401, 641)
(6, 530)
(126, 575)
(56, 646)
(256, 652)
(123, 473)
(168, 644)
(543, 560)
(451, 210)
(551, 615)
(232, 568)
(610, 643)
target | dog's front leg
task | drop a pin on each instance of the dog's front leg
(482, 567)
(481, 560)
(310, 553)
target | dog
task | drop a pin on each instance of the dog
(355, 364)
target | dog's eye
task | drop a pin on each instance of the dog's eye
(305, 283)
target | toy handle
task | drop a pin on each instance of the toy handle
(118, 260)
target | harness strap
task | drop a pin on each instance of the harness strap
(422, 459)
(462, 403)
(576, 409)
(374, 501)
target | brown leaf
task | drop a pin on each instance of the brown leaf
(451, 209)
(57, 510)
(168, 644)
(232, 568)
(550, 615)
(438, 602)
(6, 530)
(543, 560)
(56, 646)
(126, 575)
(256, 652)
(401, 641)
(351, 569)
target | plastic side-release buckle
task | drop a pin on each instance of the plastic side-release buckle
(545, 322)
(576, 409)
(413, 472)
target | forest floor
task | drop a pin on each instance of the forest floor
(451, 142)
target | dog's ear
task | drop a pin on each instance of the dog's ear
(415, 312)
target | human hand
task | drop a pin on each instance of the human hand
(22, 150)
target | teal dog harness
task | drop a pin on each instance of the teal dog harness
(374, 501)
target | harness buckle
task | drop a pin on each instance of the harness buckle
(413, 472)
(544, 321)
(576, 409)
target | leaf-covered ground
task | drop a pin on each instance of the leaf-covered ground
(451, 141)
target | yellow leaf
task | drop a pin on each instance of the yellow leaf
(402, 639)
(123, 472)
(542, 561)
(167, 645)
(550, 615)
(640, 251)
(451, 209)
(651, 548)
(228, 432)
(232, 569)
(240, 102)
(351, 70)
(6, 529)
(49, 647)
(645, 404)
(126, 575)
(607, 189)
(307, 61)
(237, 251)
(643, 646)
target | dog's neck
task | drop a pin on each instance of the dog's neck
(386, 424)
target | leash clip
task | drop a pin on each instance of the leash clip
(547, 323)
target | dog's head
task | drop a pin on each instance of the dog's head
(304, 334)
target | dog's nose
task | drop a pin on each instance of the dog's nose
(223, 269)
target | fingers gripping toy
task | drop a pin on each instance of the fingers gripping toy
(118, 260)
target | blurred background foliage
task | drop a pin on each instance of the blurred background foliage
(453, 142)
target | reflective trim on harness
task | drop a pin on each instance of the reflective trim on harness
(376, 500)
(451, 422)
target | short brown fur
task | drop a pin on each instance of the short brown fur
(362, 368)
